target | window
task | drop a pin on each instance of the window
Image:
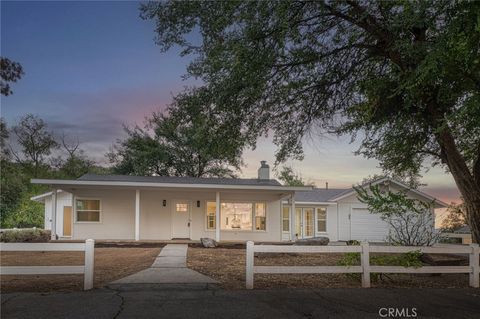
(321, 220)
(181, 207)
(88, 210)
(211, 207)
(260, 216)
(238, 216)
(286, 219)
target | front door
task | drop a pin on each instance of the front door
(67, 221)
(308, 222)
(305, 222)
(298, 223)
(181, 220)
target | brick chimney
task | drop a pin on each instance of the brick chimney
(264, 171)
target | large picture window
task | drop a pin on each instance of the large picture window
(238, 216)
(88, 210)
(321, 220)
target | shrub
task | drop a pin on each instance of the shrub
(29, 235)
(410, 259)
(411, 221)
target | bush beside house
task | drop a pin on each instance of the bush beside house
(27, 235)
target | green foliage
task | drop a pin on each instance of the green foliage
(411, 221)
(409, 259)
(13, 183)
(32, 159)
(455, 217)
(289, 177)
(189, 141)
(286, 66)
(25, 236)
(402, 76)
(35, 142)
(10, 72)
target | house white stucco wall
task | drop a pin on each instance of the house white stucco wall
(63, 199)
(117, 221)
(350, 204)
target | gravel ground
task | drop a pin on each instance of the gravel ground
(228, 267)
(110, 264)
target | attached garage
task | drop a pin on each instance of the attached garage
(367, 226)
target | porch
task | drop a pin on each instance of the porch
(149, 215)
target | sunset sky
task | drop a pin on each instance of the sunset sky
(91, 67)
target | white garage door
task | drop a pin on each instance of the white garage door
(366, 226)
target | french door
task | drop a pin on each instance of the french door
(305, 222)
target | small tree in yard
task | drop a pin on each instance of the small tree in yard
(410, 220)
(455, 218)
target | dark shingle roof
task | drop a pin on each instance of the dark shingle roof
(318, 194)
(179, 180)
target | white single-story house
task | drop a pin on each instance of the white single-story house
(119, 207)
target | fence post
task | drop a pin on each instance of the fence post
(474, 265)
(89, 264)
(249, 265)
(365, 262)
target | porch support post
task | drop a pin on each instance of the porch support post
(292, 218)
(137, 214)
(217, 217)
(53, 233)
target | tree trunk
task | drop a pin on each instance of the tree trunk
(464, 179)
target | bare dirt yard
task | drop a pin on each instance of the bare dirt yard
(110, 264)
(227, 265)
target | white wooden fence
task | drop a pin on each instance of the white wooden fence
(365, 268)
(87, 270)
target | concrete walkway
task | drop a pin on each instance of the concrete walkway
(170, 267)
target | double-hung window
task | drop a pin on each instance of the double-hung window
(286, 219)
(260, 216)
(211, 211)
(87, 210)
(321, 220)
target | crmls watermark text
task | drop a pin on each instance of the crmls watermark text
(398, 312)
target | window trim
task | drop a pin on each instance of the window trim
(100, 214)
(283, 219)
(253, 230)
(316, 220)
(205, 223)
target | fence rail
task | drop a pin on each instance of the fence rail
(473, 269)
(87, 269)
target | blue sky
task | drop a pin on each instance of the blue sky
(92, 66)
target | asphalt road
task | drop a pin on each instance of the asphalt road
(146, 301)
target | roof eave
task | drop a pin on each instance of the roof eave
(57, 182)
(438, 203)
(313, 203)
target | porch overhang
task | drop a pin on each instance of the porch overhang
(77, 184)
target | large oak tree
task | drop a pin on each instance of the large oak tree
(402, 76)
(186, 140)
